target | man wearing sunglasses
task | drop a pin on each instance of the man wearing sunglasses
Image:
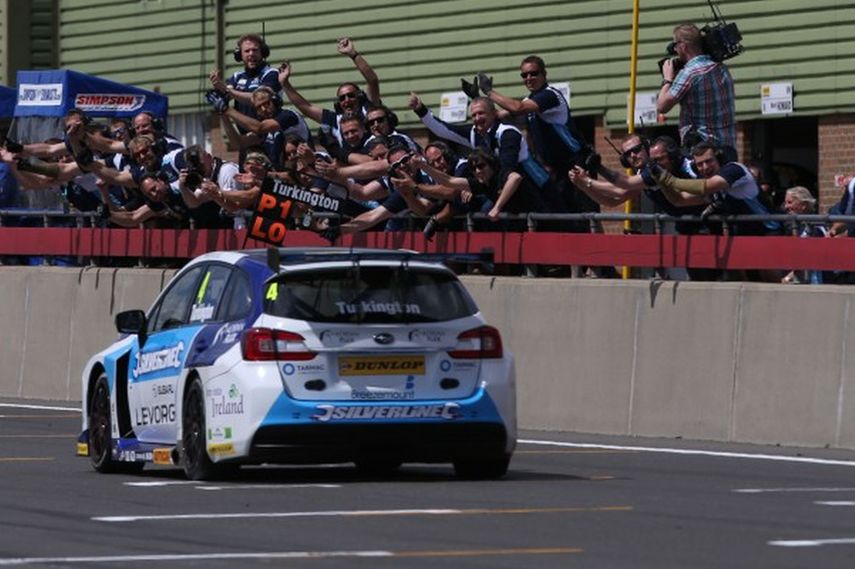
(350, 99)
(551, 130)
(381, 121)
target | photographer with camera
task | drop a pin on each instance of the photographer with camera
(203, 182)
(704, 89)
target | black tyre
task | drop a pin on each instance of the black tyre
(195, 460)
(100, 433)
(482, 469)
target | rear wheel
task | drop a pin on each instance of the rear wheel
(482, 469)
(195, 460)
(100, 433)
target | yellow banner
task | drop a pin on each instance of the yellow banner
(381, 365)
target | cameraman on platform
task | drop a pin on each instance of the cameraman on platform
(704, 89)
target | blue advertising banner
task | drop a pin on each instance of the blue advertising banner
(51, 93)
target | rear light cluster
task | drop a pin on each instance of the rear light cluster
(479, 343)
(264, 344)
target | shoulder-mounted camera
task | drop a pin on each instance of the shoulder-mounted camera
(720, 39)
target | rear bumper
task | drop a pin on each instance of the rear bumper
(406, 442)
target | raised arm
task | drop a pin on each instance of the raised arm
(372, 82)
(314, 112)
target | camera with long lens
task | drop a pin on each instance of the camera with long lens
(195, 168)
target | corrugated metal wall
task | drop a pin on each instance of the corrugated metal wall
(161, 45)
(43, 45)
(427, 45)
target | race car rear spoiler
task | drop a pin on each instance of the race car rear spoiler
(276, 257)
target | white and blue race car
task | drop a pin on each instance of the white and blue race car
(303, 356)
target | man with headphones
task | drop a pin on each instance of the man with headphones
(252, 51)
(726, 188)
(381, 121)
(618, 187)
(350, 99)
(269, 126)
(155, 204)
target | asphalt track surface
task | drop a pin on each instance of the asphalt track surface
(568, 501)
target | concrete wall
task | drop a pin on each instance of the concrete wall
(719, 361)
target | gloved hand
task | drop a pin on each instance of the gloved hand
(471, 89)
(485, 83)
(592, 164)
(33, 164)
(217, 100)
(13, 146)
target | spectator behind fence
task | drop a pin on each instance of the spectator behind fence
(555, 140)
(704, 90)
(617, 187)
(350, 99)
(728, 188)
(252, 51)
(502, 140)
(799, 201)
(399, 187)
(158, 205)
(204, 182)
(846, 206)
(381, 121)
(267, 128)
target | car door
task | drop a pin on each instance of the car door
(156, 368)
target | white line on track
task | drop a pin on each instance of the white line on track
(163, 483)
(44, 407)
(695, 452)
(776, 490)
(363, 513)
(330, 513)
(266, 486)
(812, 542)
(836, 503)
(194, 557)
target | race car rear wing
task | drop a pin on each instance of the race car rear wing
(277, 257)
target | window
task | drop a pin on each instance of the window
(209, 292)
(237, 303)
(175, 305)
(370, 294)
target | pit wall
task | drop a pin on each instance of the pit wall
(738, 362)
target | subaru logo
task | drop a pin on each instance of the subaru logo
(384, 339)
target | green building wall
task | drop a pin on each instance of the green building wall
(427, 45)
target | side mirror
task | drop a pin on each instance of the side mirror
(131, 322)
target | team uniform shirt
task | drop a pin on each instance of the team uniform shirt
(503, 141)
(552, 128)
(274, 142)
(168, 169)
(707, 103)
(741, 198)
(248, 81)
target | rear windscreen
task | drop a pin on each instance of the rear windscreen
(369, 294)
